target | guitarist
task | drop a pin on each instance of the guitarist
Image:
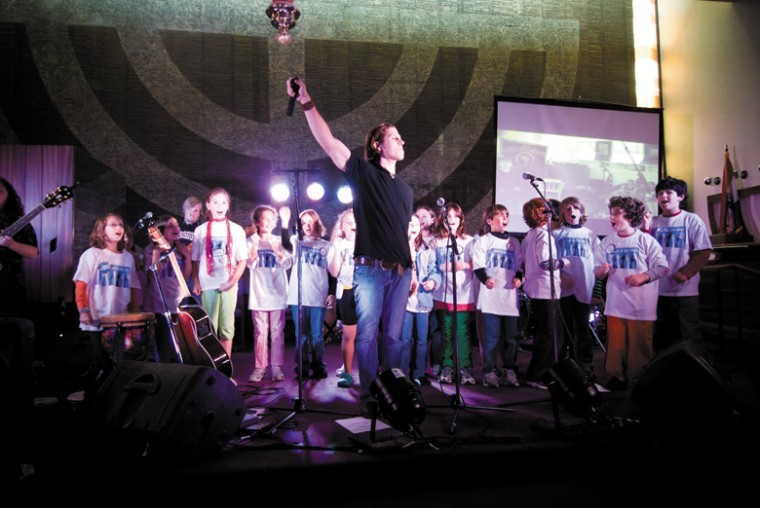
(13, 251)
(170, 286)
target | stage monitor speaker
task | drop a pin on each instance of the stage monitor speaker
(681, 390)
(16, 379)
(167, 410)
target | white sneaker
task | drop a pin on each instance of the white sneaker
(537, 384)
(340, 370)
(277, 374)
(258, 375)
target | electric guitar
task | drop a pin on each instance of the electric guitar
(54, 198)
(197, 340)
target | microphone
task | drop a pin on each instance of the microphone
(293, 86)
(141, 223)
(440, 201)
(528, 176)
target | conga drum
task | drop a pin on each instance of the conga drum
(128, 336)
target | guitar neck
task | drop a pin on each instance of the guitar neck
(23, 221)
(180, 277)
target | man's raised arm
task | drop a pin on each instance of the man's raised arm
(333, 147)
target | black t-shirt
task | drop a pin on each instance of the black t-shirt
(382, 209)
(186, 231)
(12, 283)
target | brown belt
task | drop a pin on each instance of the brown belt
(379, 263)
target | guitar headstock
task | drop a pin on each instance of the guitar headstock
(58, 196)
(158, 238)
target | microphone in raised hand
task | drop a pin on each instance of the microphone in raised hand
(295, 87)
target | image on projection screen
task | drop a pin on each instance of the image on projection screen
(591, 152)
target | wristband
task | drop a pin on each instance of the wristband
(306, 106)
(83, 310)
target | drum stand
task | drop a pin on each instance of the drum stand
(457, 401)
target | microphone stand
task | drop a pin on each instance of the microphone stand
(299, 404)
(457, 401)
(153, 269)
(551, 212)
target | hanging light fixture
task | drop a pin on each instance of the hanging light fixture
(283, 15)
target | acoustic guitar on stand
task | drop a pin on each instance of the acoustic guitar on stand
(197, 340)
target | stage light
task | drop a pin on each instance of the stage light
(283, 15)
(280, 192)
(344, 194)
(399, 401)
(315, 191)
(573, 389)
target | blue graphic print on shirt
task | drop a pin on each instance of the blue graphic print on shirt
(113, 275)
(267, 258)
(312, 256)
(623, 258)
(500, 258)
(670, 236)
(573, 247)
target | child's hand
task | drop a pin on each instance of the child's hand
(428, 285)
(637, 280)
(517, 283)
(602, 270)
(196, 286)
(646, 224)
(413, 287)
(490, 283)
(679, 277)
(183, 250)
(284, 216)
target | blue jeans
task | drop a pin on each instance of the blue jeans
(415, 358)
(312, 317)
(500, 335)
(381, 296)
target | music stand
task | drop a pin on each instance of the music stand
(457, 401)
(299, 404)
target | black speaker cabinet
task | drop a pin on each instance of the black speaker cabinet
(16, 377)
(168, 410)
(681, 388)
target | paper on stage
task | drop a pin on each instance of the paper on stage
(359, 424)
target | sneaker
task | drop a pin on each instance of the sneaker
(537, 384)
(345, 380)
(491, 379)
(318, 371)
(258, 375)
(340, 370)
(467, 377)
(277, 374)
(422, 381)
(446, 374)
(510, 379)
(436, 370)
